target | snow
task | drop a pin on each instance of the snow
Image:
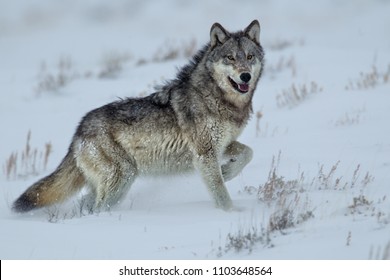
(329, 43)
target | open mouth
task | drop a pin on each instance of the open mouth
(242, 88)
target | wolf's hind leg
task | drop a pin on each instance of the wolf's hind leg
(238, 156)
(109, 172)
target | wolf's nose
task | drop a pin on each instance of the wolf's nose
(245, 77)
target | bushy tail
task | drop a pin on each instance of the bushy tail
(56, 187)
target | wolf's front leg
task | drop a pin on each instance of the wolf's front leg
(209, 168)
(238, 156)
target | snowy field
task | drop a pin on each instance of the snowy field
(319, 183)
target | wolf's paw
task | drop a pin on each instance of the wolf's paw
(226, 205)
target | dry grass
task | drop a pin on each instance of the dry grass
(171, 50)
(112, 64)
(54, 80)
(325, 180)
(259, 115)
(349, 238)
(266, 130)
(282, 44)
(31, 161)
(380, 253)
(296, 94)
(370, 79)
(247, 240)
(288, 204)
(81, 208)
(350, 118)
(283, 64)
(360, 204)
(276, 187)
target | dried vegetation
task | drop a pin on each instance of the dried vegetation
(29, 162)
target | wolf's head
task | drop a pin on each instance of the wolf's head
(235, 60)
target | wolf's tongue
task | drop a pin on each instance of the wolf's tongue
(243, 87)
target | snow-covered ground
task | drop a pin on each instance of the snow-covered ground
(318, 186)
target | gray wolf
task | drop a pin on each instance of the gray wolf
(190, 123)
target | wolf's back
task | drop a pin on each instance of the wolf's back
(54, 188)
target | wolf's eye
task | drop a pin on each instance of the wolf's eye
(230, 57)
(249, 57)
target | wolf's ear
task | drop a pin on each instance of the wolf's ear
(218, 34)
(253, 31)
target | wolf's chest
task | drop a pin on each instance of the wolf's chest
(223, 133)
